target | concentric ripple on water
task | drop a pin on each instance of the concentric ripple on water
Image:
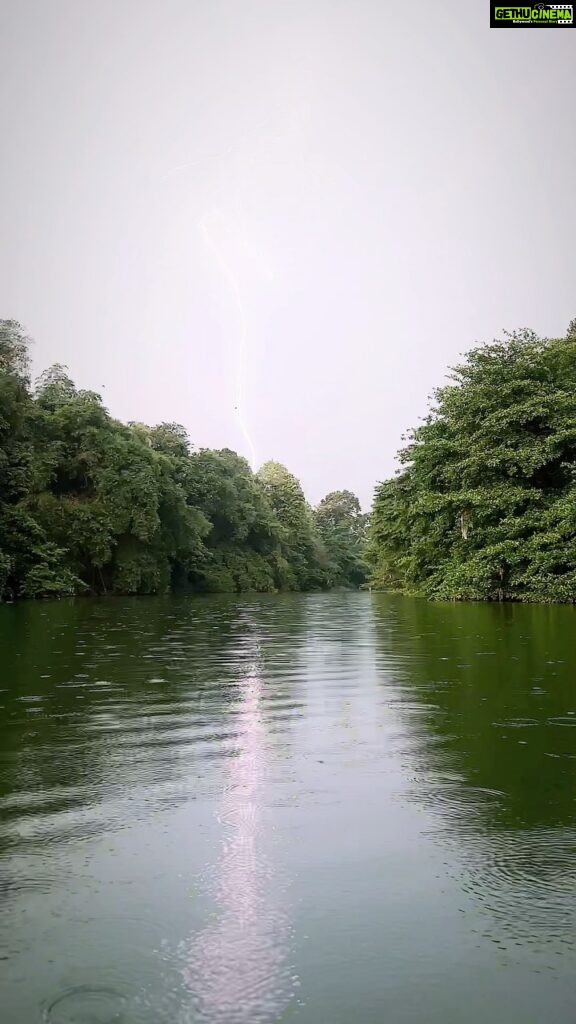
(86, 1006)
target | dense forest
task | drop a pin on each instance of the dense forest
(484, 505)
(91, 505)
(482, 508)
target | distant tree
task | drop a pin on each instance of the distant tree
(170, 439)
(342, 527)
(303, 561)
(14, 350)
(54, 387)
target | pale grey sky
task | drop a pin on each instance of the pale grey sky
(378, 184)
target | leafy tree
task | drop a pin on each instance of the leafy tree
(302, 562)
(170, 439)
(244, 533)
(484, 507)
(14, 351)
(342, 526)
(15, 458)
(90, 505)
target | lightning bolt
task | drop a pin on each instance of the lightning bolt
(230, 276)
(235, 156)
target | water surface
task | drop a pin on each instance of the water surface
(326, 808)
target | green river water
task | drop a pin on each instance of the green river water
(334, 809)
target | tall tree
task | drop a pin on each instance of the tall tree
(485, 506)
(342, 526)
(30, 560)
(302, 562)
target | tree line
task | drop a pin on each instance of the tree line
(484, 504)
(482, 508)
(89, 505)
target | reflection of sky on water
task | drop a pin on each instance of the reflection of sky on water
(238, 966)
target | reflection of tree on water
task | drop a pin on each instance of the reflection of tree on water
(237, 967)
(486, 697)
(99, 706)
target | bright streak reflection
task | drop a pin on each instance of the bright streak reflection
(238, 967)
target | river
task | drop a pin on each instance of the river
(320, 808)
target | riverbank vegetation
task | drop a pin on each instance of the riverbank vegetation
(484, 505)
(482, 508)
(92, 505)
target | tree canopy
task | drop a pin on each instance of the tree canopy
(341, 526)
(484, 506)
(91, 505)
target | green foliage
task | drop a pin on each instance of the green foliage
(484, 507)
(49, 576)
(302, 559)
(342, 528)
(14, 348)
(90, 505)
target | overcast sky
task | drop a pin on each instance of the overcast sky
(329, 199)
